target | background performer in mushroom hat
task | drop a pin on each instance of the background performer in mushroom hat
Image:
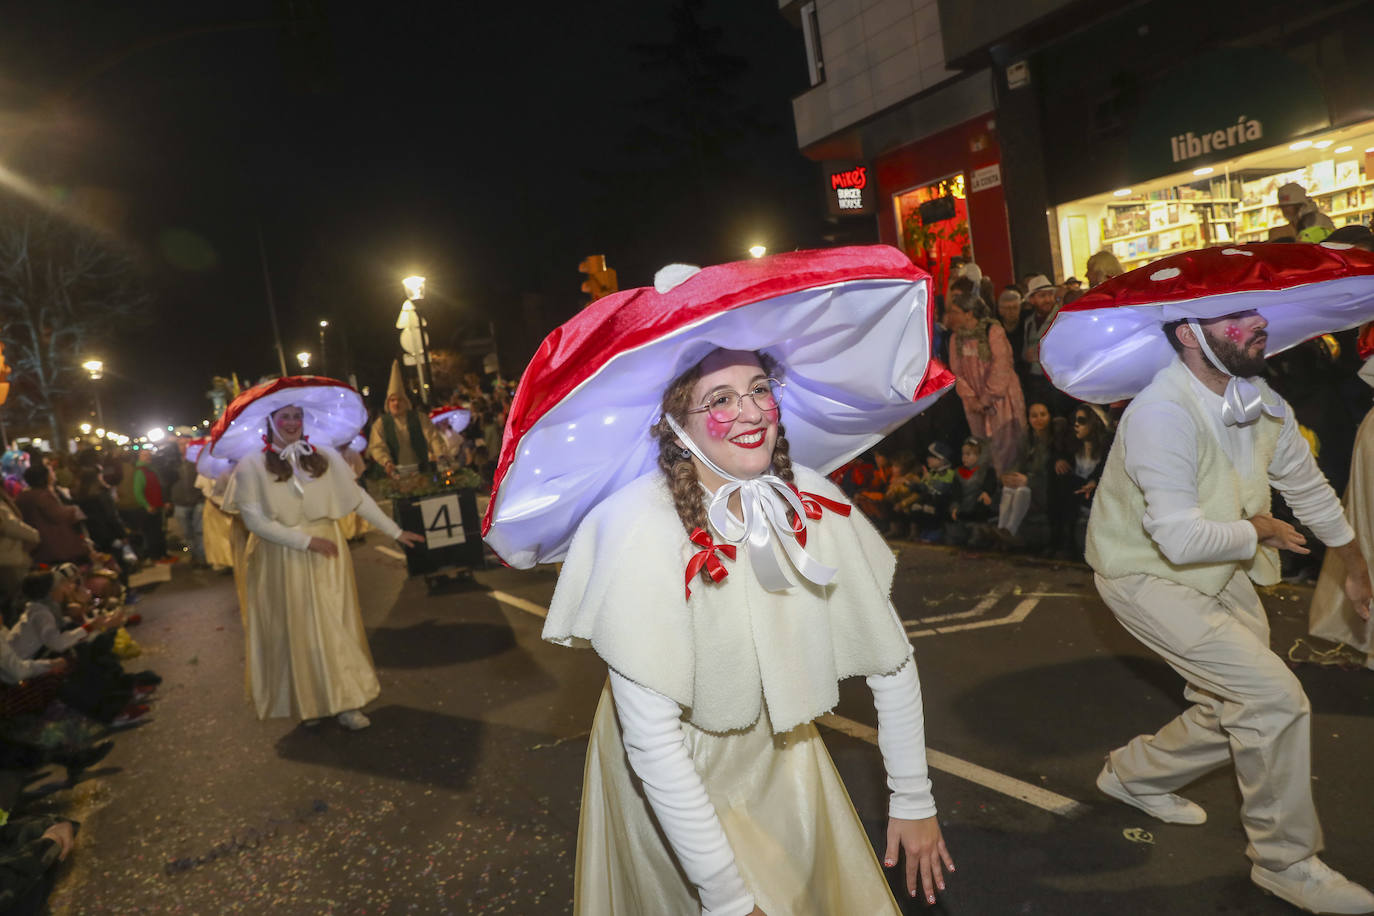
(726, 584)
(1181, 525)
(307, 652)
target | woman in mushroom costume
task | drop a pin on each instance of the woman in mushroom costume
(307, 653)
(1180, 524)
(646, 444)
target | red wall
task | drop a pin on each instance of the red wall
(960, 149)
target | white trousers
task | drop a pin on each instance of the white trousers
(1248, 709)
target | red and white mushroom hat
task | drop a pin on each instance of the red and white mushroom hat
(454, 417)
(195, 446)
(1108, 344)
(851, 328)
(207, 465)
(333, 414)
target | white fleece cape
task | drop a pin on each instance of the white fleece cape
(732, 645)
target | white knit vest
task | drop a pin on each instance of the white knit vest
(1118, 544)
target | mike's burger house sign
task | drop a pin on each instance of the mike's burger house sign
(849, 188)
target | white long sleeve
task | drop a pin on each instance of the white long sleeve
(271, 530)
(902, 741)
(1164, 465)
(651, 728)
(374, 516)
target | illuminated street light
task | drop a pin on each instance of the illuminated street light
(156, 434)
(100, 433)
(758, 251)
(85, 429)
(303, 358)
(96, 370)
(415, 288)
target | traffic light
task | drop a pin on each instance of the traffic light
(600, 280)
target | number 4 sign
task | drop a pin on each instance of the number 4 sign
(443, 522)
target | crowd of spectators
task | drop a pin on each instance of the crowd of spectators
(72, 530)
(1008, 462)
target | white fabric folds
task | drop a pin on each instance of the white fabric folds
(733, 645)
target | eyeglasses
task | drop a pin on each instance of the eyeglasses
(726, 406)
(1080, 421)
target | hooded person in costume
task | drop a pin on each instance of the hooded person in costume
(403, 436)
(665, 464)
(1181, 527)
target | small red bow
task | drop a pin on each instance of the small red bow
(707, 558)
(811, 505)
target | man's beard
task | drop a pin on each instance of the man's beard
(1235, 358)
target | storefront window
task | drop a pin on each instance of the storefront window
(933, 220)
(1228, 201)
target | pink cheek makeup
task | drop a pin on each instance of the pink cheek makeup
(1234, 334)
(717, 430)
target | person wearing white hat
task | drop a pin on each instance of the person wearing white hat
(402, 438)
(645, 445)
(1306, 223)
(307, 652)
(1180, 526)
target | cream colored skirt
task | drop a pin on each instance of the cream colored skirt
(216, 533)
(307, 651)
(797, 840)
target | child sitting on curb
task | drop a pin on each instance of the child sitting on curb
(922, 513)
(973, 504)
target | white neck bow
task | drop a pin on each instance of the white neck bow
(764, 500)
(1241, 403)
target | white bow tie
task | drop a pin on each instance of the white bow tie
(292, 455)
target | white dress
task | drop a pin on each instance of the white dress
(307, 653)
(749, 670)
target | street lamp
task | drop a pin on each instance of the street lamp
(757, 251)
(96, 370)
(324, 354)
(303, 358)
(415, 291)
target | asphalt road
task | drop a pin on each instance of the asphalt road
(462, 797)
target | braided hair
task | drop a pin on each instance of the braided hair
(676, 461)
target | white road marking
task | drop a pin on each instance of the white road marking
(916, 629)
(1010, 786)
(394, 554)
(982, 607)
(989, 779)
(521, 604)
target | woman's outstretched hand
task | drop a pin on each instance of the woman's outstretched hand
(410, 538)
(926, 855)
(324, 547)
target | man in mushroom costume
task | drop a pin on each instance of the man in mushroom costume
(1181, 526)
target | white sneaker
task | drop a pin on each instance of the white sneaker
(1314, 886)
(1167, 807)
(353, 720)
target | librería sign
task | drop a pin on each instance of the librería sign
(1189, 145)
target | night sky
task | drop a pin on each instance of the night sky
(487, 146)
